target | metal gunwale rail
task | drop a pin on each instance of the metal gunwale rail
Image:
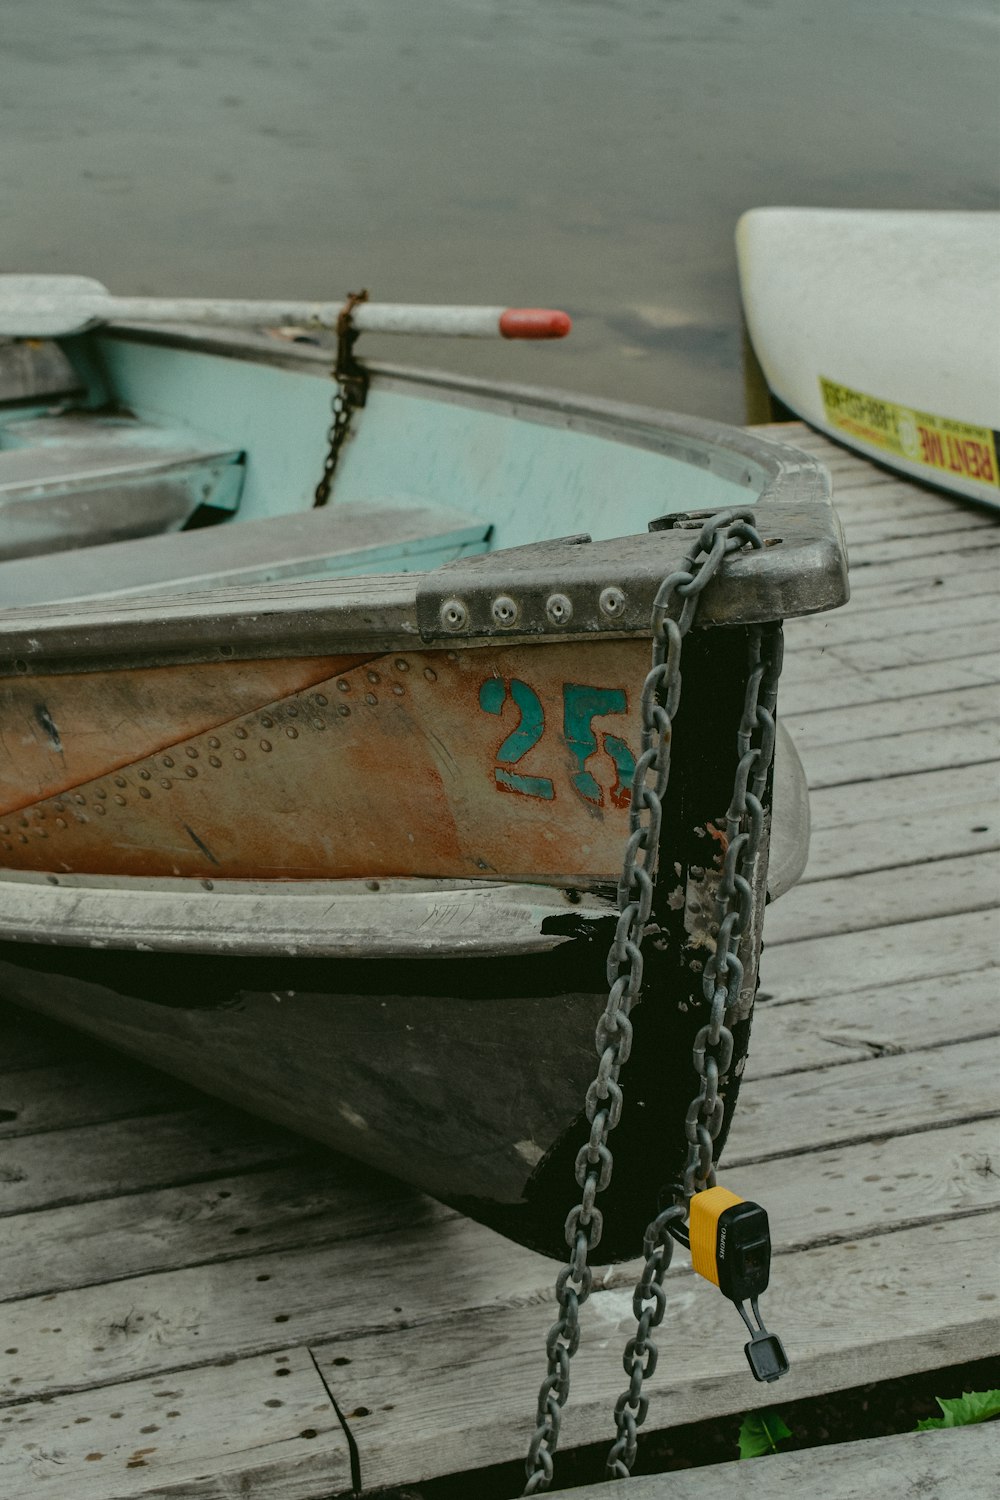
(394, 611)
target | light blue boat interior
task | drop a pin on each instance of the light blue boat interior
(232, 447)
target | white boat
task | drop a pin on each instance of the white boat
(882, 329)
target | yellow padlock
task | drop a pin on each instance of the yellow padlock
(731, 1247)
(730, 1243)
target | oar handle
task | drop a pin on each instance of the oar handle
(462, 322)
(367, 317)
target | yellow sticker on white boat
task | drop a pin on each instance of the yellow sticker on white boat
(940, 443)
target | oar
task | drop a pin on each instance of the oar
(47, 306)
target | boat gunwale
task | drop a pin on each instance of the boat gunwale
(378, 614)
(643, 426)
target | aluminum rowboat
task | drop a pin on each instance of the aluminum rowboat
(324, 809)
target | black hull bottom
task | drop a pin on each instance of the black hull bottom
(464, 1077)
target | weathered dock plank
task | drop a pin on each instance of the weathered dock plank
(925, 793)
(316, 1200)
(64, 1096)
(942, 887)
(927, 613)
(839, 687)
(131, 1328)
(929, 712)
(947, 520)
(954, 539)
(863, 1024)
(892, 1095)
(961, 1464)
(955, 1177)
(968, 567)
(937, 946)
(194, 1316)
(893, 843)
(259, 1427)
(874, 1186)
(902, 752)
(876, 654)
(44, 1171)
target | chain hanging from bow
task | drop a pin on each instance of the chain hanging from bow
(722, 535)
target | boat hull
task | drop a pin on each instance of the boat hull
(343, 847)
(464, 1077)
(463, 1073)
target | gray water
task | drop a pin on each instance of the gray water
(590, 154)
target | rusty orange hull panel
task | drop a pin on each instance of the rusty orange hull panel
(506, 762)
(59, 732)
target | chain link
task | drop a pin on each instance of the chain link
(352, 388)
(725, 533)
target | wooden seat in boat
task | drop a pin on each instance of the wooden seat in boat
(77, 479)
(338, 540)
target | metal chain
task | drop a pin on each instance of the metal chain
(712, 1051)
(649, 1303)
(723, 976)
(352, 388)
(725, 533)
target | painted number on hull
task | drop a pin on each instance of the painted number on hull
(531, 727)
(581, 706)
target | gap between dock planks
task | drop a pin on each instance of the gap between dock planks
(875, 1157)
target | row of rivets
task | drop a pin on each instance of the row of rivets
(100, 794)
(454, 613)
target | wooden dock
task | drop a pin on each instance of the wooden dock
(184, 1288)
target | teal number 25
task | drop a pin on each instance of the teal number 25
(581, 705)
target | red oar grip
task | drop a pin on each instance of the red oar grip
(534, 323)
